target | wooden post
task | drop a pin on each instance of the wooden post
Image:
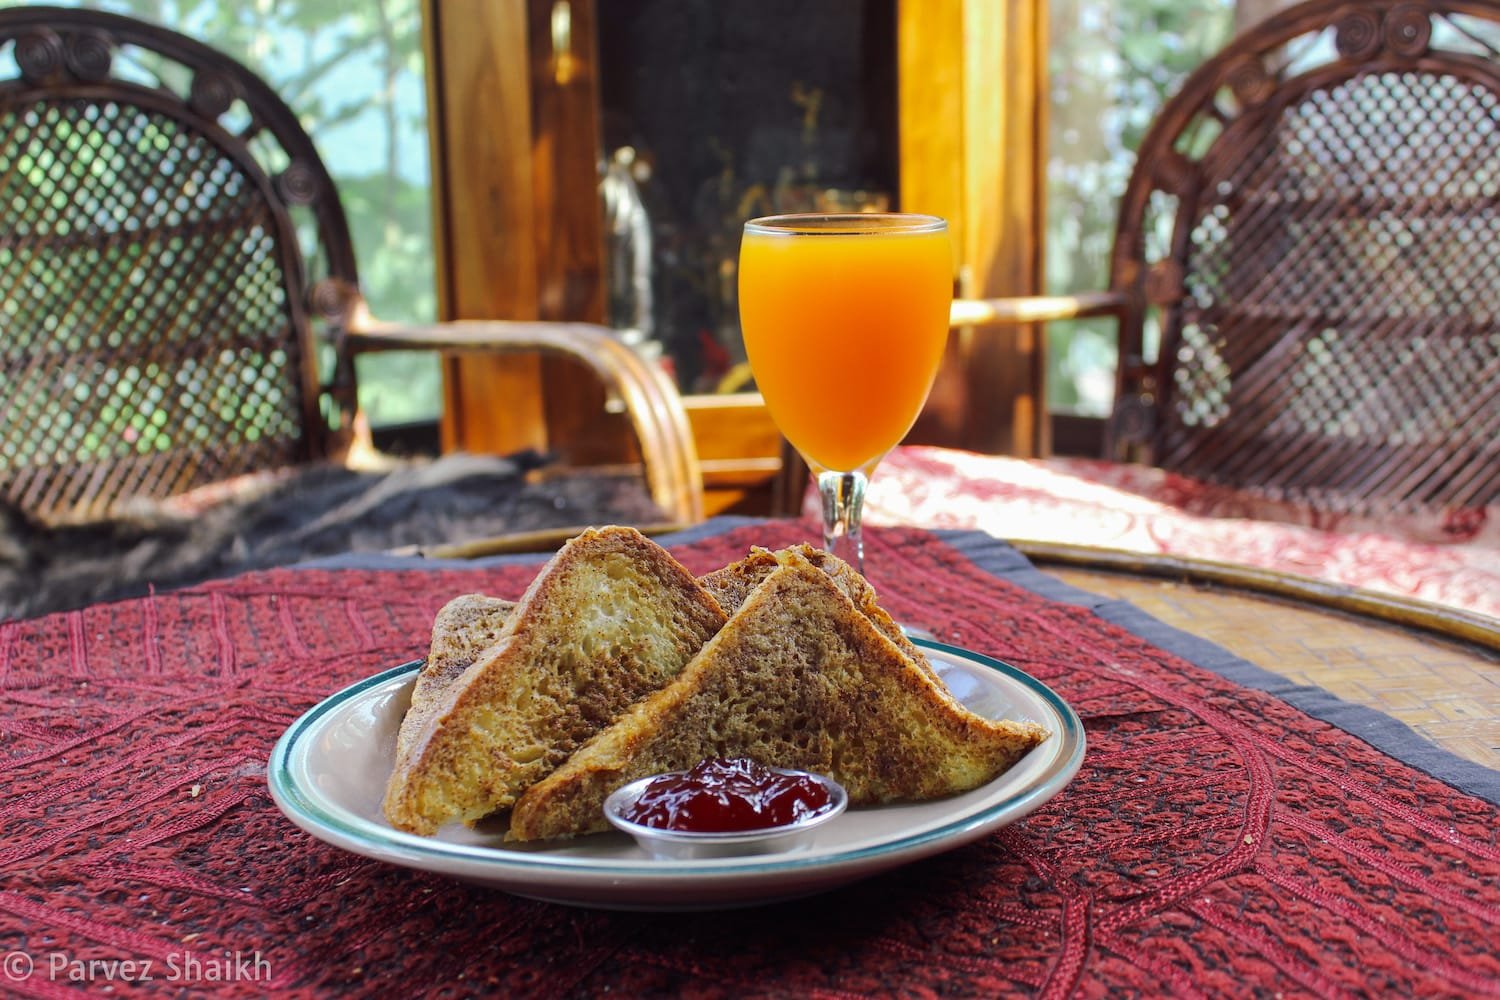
(972, 136)
(485, 216)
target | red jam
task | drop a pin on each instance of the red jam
(723, 795)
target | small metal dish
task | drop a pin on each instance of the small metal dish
(689, 845)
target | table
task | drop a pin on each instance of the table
(1434, 669)
(1221, 838)
(1451, 558)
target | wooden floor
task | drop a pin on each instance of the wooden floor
(1447, 691)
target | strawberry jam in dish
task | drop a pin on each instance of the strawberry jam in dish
(728, 795)
(722, 807)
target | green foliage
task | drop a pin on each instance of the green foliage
(392, 232)
(1112, 64)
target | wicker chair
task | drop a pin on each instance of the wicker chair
(179, 292)
(1313, 227)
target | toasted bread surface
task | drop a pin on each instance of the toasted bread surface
(463, 629)
(609, 619)
(799, 677)
(732, 584)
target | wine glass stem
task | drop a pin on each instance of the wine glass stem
(843, 505)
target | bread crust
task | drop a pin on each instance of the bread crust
(800, 677)
(610, 618)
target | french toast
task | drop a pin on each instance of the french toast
(732, 584)
(800, 678)
(463, 629)
(609, 619)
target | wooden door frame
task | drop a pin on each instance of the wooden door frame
(484, 214)
(514, 124)
(973, 128)
(514, 134)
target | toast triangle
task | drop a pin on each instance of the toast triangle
(609, 619)
(797, 678)
(462, 630)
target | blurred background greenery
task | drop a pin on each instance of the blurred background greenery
(1111, 65)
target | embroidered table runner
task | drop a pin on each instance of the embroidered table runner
(1217, 842)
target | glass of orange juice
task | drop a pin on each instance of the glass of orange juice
(845, 318)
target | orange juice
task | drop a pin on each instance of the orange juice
(844, 327)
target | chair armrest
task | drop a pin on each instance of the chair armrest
(643, 390)
(1034, 309)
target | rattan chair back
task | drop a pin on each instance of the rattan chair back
(166, 227)
(1312, 237)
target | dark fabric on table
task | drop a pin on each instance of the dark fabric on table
(312, 511)
(1217, 841)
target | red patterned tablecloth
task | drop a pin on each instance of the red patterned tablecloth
(1217, 842)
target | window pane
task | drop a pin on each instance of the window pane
(713, 113)
(352, 71)
(1112, 64)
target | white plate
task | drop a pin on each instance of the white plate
(328, 773)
